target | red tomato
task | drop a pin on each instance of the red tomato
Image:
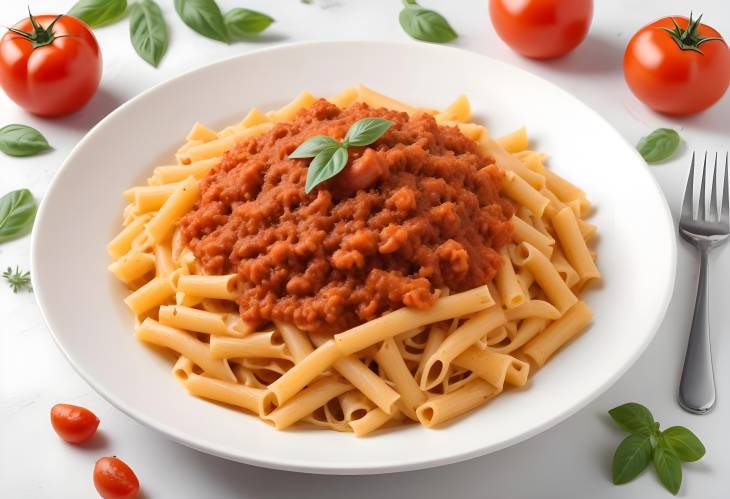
(541, 29)
(682, 69)
(74, 424)
(50, 66)
(113, 479)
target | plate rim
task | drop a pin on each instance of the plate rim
(338, 468)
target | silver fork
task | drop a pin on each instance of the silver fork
(697, 387)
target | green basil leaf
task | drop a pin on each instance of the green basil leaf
(98, 12)
(632, 456)
(426, 25)
(203, 16)
(366, 131)
(685, 443)
(313, 146)
(632, 417)
(148, 31)
(658, 145)
(325, 165)
(668, 466)
(17, 212)
(243, 23)
(22, 140)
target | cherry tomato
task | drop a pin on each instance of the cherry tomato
(74, 424)
(541, 29)
(677, 65)
(113, 479)
(50, 66)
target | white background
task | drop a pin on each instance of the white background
(570, 460)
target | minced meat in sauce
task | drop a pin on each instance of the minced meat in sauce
(427, 216)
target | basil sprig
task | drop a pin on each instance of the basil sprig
(658, 145)
(646, 443)
(22, 140)
(330, 156)
(17, 212)
(204, 17)
(245, 23)
(424, 24)
(148, 31)
(99, 12)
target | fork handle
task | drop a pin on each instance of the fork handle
(697, 387)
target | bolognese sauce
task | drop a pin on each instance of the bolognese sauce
(414, 214)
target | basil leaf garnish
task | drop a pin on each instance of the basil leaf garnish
(22, 140)
(148, 31)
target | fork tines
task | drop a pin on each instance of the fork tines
(688, 210)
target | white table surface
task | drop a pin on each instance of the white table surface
(571, 460)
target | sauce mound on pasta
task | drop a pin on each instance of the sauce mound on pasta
(429, 216)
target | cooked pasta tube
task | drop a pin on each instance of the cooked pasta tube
(216, 148)
(465, 335)
(458, 111)
(404, 319)
(122, 242)
(344, 98)
(533, 308)
(243, 396)
(287, 113)
(169, 174)
(132, 266)
(509, 287)
(514, 142)
(376, 100)
(520, 191)
(305, 402)
(222, 287)
(557, 334)
(436, 336)
(201, 321)
(153, 294)
(296, 341)
(546, 276)
(528, 329)
(494, 368)
(255, 345)
(182, 368)
(153, 332)
(565, 270)
(180, 202)
(391, 362)
(524, 232)
(373, 387)
(373, 420)
(574, 246)
(444, 407)
(304, 372)
(509, 162)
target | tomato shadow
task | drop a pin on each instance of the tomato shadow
(103, 103)
(98, 442)
(597, 54)
(714, 119)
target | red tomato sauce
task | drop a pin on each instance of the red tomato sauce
(416, 212)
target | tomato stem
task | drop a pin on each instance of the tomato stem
(40, 36)
(689, 38)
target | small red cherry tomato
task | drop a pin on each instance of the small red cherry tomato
(677, 65)
(74, 424)
(113, 479)
(50, 66)
(541, 29)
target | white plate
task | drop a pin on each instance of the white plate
(82, 303)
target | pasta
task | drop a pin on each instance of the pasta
(424, 363)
